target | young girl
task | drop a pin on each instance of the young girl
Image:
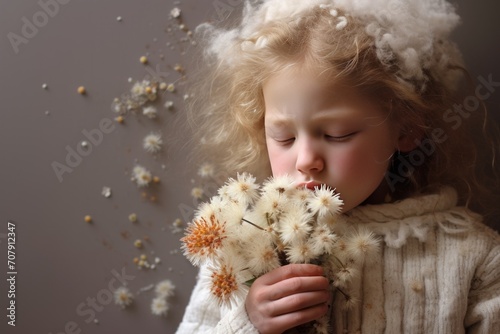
(361, 96)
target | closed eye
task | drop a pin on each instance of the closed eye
(285, 141)
(341, 138)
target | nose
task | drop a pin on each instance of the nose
(309, 157)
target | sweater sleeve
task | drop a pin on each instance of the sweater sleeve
(483, 315)
(202, 316)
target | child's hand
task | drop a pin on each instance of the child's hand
(287, 297)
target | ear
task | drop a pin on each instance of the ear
(409, 140)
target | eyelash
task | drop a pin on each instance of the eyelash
(285, 141)
(328, 137)
(341, 138)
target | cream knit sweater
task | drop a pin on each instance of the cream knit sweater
(438, 272)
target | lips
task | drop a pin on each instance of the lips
(309, 185)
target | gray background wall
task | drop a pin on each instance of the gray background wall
(61, 260)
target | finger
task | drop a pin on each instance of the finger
(291, 270)
(290, 320)
(297, 302)
(296, 285)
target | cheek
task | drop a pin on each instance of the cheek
(345, 163)
(362, 162)
(280, 162)
(376, 150)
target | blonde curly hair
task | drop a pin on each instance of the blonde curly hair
(227, 113)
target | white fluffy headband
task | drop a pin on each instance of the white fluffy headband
(414, 33)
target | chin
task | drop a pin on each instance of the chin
(351, 204)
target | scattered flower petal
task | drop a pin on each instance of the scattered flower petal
(141, 176)
(179, 68)
(206, 170)
(159, 306)
(152, 143)
(197, 192)
(165, 289)
(150, 112)
(106, 192)
(123, 297)
(175, 12)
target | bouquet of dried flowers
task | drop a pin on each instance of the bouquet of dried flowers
(248, 229)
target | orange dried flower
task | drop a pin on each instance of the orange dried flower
(203, 238)
(224, 283)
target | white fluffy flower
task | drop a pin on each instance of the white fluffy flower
(295, 225)
(233, 214)
(223, 192)
(235, 238)
(362, 244)
(123, 296)
(322, 240)
(204, 210)
(344, 275)
(322, 325)
(223, 209)
(243, 190)
(264, 258)
(299, 253)
(150, 112)
(160, 306)
(302, 194)
(324, 201)
(141, 176)
(153, 142)
(272, 205)
(215, 208)
(226, 210)
(165, 288)
(281, 185)
(350, 302)
(226, 279)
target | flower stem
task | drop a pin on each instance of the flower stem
(249, 222)
(346, 296)
(339, 262)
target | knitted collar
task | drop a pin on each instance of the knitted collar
(413, 217)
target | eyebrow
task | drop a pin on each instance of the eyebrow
(278, 121)
(328, 115)
(322, 116)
